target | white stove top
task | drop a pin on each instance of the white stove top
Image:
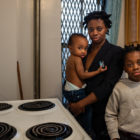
(23, 120)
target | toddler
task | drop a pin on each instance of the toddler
(74, 89)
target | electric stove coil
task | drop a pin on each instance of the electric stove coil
(7, 132)
(4, 106)
(36, 106)
(49, 131)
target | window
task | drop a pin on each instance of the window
(73, 13)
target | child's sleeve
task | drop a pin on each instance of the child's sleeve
(111, 115)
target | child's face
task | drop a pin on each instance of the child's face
(132, 65)
(79, 47)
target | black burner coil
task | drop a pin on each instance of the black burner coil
(4, 106)
(49, 131)
(7, 132)
(36, 106)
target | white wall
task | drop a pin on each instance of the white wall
(50, 48)
(8, 35)
(16, 43)
(25, 46)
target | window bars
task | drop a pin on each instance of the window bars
(72, 15)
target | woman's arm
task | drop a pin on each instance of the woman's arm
(79, 107)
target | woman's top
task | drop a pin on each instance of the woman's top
(102, 84)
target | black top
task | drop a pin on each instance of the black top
(103, 83)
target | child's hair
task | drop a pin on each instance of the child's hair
(72, 37)
(130, 48)
(98, 15)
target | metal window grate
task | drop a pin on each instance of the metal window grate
(72, 15)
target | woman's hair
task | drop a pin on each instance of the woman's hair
(72, 37)
(98, 15)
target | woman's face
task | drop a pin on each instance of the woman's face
(97, 31)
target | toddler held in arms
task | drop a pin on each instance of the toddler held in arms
(74, 89)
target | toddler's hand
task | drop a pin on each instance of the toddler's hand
(100, 69)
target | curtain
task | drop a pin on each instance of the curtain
(132, 28)
(113, 7)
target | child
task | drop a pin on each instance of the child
(74, 89)
(123, 109)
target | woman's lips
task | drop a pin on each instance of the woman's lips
(136, 73)
(95, 38)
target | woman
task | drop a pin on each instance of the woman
(99, 87)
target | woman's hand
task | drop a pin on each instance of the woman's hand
(77, 108)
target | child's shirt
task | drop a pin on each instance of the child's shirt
(123, 108)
